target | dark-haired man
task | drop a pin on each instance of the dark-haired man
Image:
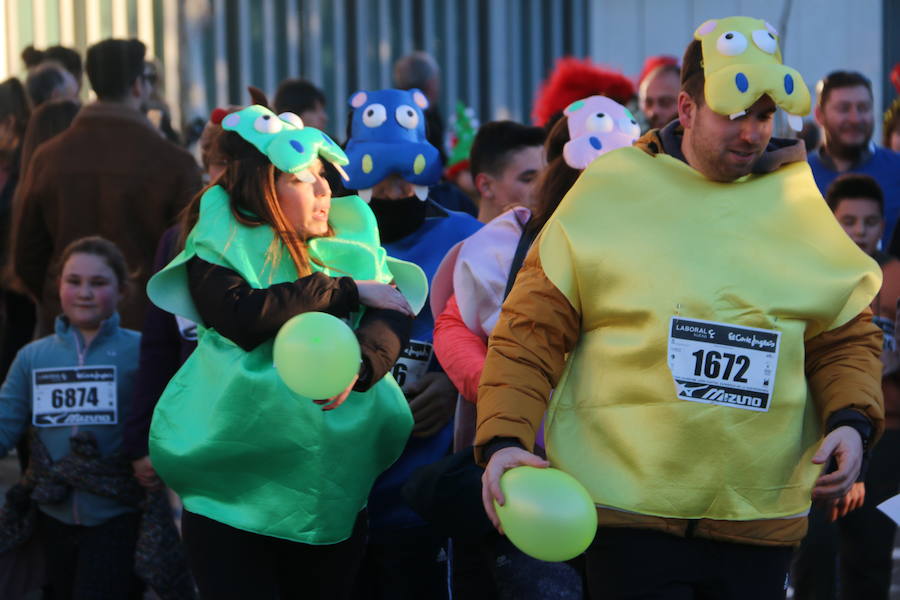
(845, 111)
(658, 95)
(505, 160)
(109, 174)
(706, 363)
(303, 99)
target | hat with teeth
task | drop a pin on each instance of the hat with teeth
(387, 137)
(742, 62)
(283, 139)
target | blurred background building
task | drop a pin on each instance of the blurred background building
(492, 53)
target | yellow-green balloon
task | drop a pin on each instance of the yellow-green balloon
(316, 355)
(547, 514)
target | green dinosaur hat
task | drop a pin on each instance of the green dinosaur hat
(283, 139)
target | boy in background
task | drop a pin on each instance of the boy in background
(864, 537)
(506, 159)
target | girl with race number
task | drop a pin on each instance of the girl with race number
(74, 387)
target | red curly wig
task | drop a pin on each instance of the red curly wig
(574, 79)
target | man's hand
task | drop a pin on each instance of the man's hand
(144, 473)
(432, 400)
(853, 500)
(845, 445)
(502, 461)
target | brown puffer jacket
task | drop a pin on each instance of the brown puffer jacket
(538, 327)
(111, 173)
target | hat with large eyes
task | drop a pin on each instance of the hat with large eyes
(283, 138)
(597, 125)
(742, 62)
(387, 136)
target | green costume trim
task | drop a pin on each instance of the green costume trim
(236, 444)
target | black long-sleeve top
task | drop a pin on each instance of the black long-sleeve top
(248, 316)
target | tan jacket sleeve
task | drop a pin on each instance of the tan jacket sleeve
(843, 368)
(526, 356)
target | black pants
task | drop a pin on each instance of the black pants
(91, 563)
(864, 539)
(636, 564)
(412, 565)
(231, 563)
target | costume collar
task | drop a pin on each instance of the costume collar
(779, 152)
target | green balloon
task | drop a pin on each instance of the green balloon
(316, 355)
(548, 514)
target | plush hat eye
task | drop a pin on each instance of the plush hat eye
(731, 43)
(267, 124)
(600, 123)
(629, 126)
(765, 40)
(374, 115)
(407, 116)
(292, 118)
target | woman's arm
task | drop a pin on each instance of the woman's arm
(248, 316)
(460, 351)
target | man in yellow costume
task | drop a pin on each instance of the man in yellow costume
(702, 321)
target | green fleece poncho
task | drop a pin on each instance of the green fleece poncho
(236, 444)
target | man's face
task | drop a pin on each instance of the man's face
(720, 148)
(847, 117)
(513, 185)
(393, 187)
(861, 219)
(315, 117)
(659, 97)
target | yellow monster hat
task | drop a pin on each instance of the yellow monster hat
(741, 62)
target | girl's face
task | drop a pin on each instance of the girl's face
(305, 199)
(89, 291)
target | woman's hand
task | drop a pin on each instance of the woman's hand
(144, 473)
(335, 401)
(382, 295)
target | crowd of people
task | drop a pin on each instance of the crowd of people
(644, 288)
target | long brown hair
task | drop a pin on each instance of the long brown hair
(555, 180)
(249, 179)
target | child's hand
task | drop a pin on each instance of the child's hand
(144, 473)
(850, 502)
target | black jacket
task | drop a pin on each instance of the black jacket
(248, 316)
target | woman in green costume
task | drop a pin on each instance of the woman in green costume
(274, 484)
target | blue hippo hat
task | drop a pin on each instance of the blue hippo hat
(289, 145)
(387, 136)
(742, 62)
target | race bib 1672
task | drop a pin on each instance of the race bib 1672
(720, 363)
